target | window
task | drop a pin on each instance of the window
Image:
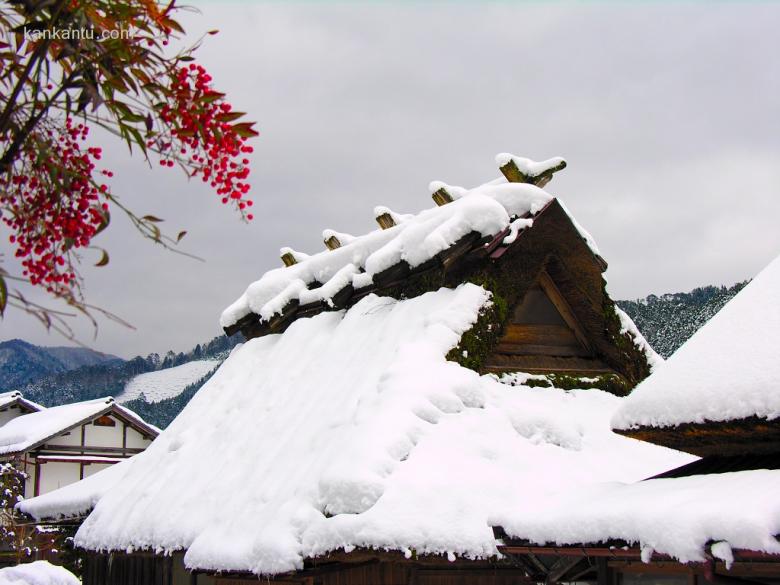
(104, 421)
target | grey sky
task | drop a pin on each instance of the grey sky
(667, 114)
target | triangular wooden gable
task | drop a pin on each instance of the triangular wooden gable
(543, 335)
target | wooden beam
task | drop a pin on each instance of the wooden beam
(442, 197)
(385, 220)
(560, 567)
(332, 243)
(548, 286)
(288, 259)
(513, 174)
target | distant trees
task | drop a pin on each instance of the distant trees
(667, 321)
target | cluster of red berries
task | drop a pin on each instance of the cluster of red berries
(207, 142)
(54, 204)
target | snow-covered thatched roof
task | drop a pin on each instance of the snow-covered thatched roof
(352, 429)
(728, 370)
(30, 430)
(357, 265)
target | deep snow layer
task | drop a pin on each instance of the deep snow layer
(729, 369)
(352, 429)
(674, 516)
(167, 383)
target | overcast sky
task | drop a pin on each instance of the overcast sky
(668, 116)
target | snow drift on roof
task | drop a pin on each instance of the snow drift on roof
(352, 429)
(674, 516)
(167, 383)
(727, 370)
(25, 431)
(487, 209)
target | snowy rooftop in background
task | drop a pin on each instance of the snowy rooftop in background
(679, 517)
(25, 431)
(29, 430)
(415, 239)
(351, 429)
(167, 383)
(727, 370)
(9, 398)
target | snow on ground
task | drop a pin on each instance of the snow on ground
(352, 429)
(167, 383)
(674, 516)
(729, 369)
(37, 573)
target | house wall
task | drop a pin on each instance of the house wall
(10, 413)
(136, 440)
(104, 436)
(70, 439)
(93, 468)
(57, 474)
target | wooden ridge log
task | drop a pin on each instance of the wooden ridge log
(332, 243)
(513, 174)
(288, 259)
(442, 197)
(385, 220)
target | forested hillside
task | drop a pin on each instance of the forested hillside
(109, 379)
(667, 321)
(22, 363)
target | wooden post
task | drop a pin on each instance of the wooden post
(385, 220)
(514, 175)
(442, 197)
(288, 259)
(332, 243)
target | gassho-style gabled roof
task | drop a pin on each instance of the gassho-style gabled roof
(29, 431)
(352, 429)
(553, 312)
(720, 392)
(486, 219)
(8, 399)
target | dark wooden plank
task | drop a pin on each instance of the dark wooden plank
(541, 350)
(539, 334)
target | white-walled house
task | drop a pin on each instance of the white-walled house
(13, 405)
(61, 445)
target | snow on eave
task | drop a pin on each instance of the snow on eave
(415, 239)
(728, 370)
(680, 517)
(15, 397)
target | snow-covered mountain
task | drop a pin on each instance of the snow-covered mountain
(22, 363)
(168, 383)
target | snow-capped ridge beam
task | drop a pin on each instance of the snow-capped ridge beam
(441, 196)
(523, 170)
